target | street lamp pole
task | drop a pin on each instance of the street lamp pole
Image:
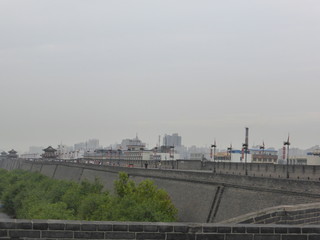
(214, 155)
(287, 143)
(262, 154)
(229, 150)
(245, 148)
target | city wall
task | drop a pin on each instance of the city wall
(200, 196)
(49, 229)
(305, 172)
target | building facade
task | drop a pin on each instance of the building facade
(172, 140)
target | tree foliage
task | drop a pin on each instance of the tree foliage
(35, 196)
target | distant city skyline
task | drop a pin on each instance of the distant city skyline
(93, 143)
(73, 70)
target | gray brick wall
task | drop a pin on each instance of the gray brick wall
(50, 229)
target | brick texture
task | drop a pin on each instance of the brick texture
(28, 229)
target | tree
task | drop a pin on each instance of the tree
(35, 196)
(144, 202)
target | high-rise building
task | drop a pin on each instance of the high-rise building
(93, 144)
(172, 140)
(134, 143)
(90, 145)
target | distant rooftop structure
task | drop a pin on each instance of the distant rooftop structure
(132, 144)
(49, 152)
(316, 152)
(12, 154)
(3, 155)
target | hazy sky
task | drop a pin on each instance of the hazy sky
(71, 70)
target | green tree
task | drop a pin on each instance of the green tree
(34, 196)
(144, 202)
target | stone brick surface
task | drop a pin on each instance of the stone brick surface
(313, 237)
(73, 226)
(56, 234)
(40, 225)
(182, 229)
(3, 233)
(7, 225)
(120, 227)
(150, 228)
(210, 229)
(166, 228)
(180, 236)
(238, 229)
(88, 227)
(24, 234)
(267, 230)
(296, 230)
(210, 236)
(295, 237)
(23, 225)
(119, 235)
(135, 228)
(104, 227)
(311, 230)
(151, 236)
(239, 237)
(253, 229)
(224, 229)
(48, 229)
(89, 235)
(266, 237)
(281, 230)
(56, 226)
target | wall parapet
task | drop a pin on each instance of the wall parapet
(302, 214)
(60, 229)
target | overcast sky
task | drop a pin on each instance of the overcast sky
(71, 70)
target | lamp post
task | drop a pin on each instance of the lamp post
(214, 155)
(229, 150)
(287, 143)
(262, 153)
(245, 148)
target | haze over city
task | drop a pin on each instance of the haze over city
(75, 70)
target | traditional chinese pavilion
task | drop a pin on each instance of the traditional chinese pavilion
(3, 155)
(12, 154)
(49, 152)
